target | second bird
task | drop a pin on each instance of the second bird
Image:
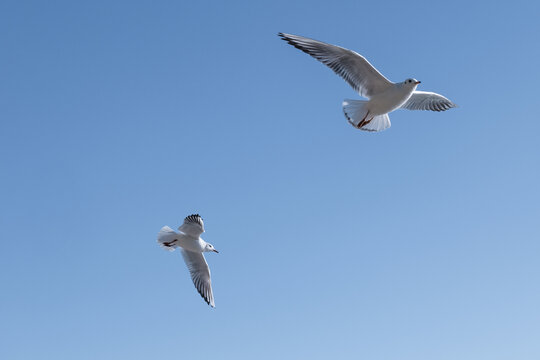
(384, 96)
(188, 238)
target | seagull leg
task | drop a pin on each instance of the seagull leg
(364, 122)
(170, 243)
(367, 122)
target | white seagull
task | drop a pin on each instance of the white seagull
(384, 96)
(192, 248)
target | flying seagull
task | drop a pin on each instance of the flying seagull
(192, 248)
(384, 96)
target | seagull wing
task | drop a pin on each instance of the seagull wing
(200, 274)
(351, 66)
(423, 100)
(193, 225)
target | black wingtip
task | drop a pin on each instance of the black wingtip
(194, 218)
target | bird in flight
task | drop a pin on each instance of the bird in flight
(192, 247)
(384, 96)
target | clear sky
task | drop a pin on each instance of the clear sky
(119, 117)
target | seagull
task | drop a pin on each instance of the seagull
(384, 96)
(192, 248)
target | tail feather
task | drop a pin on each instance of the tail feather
(358, 116)
(167, 238)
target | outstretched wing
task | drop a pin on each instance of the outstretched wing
(351, 66)
(193, 225)
(200, 274)
(423, 100)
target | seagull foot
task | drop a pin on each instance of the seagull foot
(169, 244)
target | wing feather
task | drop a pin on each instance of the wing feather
(200, 274)
(193, 225)
(423, 100)
(351, 66)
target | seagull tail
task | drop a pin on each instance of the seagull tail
(357, 114)
(167, 238)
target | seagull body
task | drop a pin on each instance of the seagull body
(390, 99)
(192, 247)
(384, 96)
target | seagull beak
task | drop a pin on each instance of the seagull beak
(417, 82)
(215, 251)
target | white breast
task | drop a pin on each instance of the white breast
(192, 244)
(389, 100)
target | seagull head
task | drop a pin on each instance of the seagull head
(411, 82)
(209, 248)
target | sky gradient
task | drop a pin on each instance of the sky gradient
(420, 242)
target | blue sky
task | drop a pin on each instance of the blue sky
(420, 242)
